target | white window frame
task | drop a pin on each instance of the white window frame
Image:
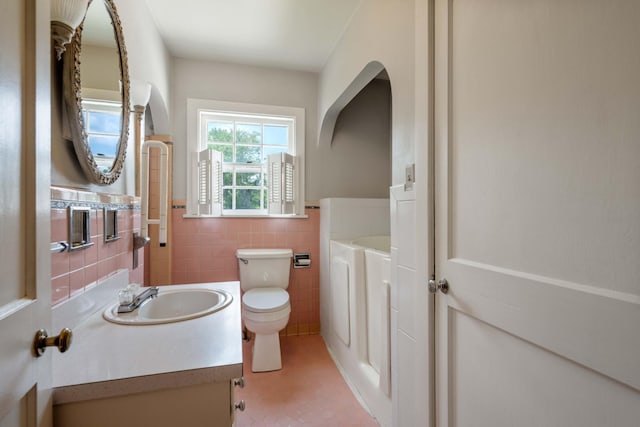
(196, 108)
(103, 106)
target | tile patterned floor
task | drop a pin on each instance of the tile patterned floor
(308, 391)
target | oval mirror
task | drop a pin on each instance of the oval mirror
(96, 93)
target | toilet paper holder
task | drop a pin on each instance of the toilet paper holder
(302, 260)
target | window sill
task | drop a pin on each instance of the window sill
(190, 216)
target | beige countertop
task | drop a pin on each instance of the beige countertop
(106, 359)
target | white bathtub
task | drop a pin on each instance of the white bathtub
(359, 336)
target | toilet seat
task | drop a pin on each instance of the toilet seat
(265, 300)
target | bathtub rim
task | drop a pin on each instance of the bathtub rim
(363, 242)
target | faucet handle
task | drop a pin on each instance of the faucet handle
(125, 296)
(137, 300)
(150, 292)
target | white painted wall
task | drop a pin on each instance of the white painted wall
(329, 169)
(393, 35)
(380, 31)
(149, 61)
(236, 83)
(342, 169)
(100, 68)
(358, 161)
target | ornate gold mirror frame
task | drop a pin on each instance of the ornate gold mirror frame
(72, 87)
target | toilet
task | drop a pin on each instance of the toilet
(264, 278)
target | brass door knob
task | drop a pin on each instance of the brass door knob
(42, 340)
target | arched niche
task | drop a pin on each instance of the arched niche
(158, 109)
(328, 120)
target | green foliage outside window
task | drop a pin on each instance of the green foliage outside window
(248, 199)
(227, 198)
(220, 132)
(227, 178)
(247, 154)
(226, 150)
(248, 179)
(248, 140)
(248, 133)
(245, 198)
(245, 134)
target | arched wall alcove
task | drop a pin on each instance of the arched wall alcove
(356, 142)
(159, 113)
(354, 157)
(328, 119)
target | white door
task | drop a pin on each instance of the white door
(24, 211)
(537, 112)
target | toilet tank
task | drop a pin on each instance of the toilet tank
(262, 268)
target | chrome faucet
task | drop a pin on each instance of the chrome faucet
(148, 293)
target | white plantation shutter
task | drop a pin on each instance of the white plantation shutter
(281, 188)
(209, 182)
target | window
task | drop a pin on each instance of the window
(102, 120)
(259, 169)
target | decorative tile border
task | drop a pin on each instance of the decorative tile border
(64, 204)
(178, 204)
(62, 198)
(181, 204)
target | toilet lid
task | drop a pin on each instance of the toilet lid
(265, 299)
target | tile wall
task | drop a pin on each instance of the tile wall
(73, 271)
(204, 251)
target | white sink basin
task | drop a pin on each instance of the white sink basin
(172, 306)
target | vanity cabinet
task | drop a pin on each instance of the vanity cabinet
(165, 375)
(209, 405)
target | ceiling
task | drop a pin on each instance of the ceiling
(291, 34)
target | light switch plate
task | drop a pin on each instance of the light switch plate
(409, 176)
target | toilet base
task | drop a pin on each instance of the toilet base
(266, 353)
